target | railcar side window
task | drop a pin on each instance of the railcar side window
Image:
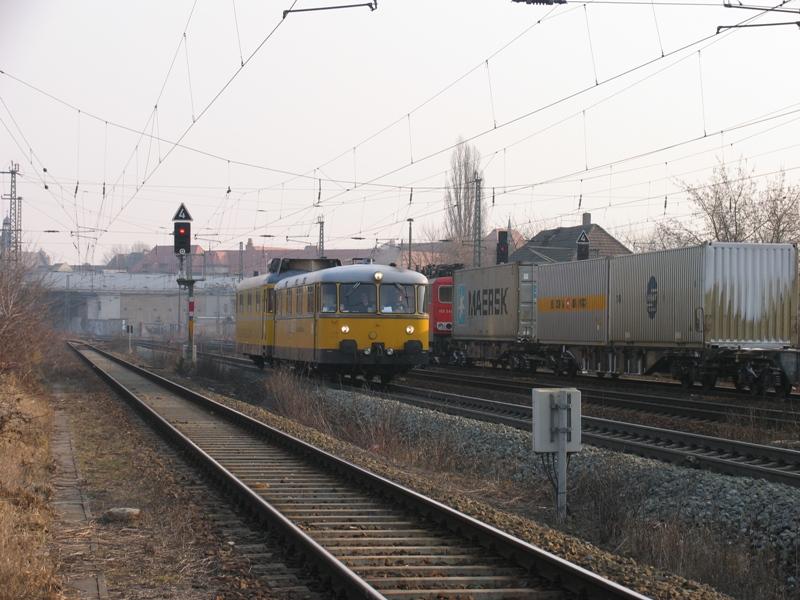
(258, 300)
(397, 298)
(446, 294)
(249, 300)
(310, 299)
(420, 295)
(328, 293)
(270, 300)
(299, 301)
(357, 297)
(240, 304)
(288, 302)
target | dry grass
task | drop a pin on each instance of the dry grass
(29, 350)
(301, 399)
(26, 570)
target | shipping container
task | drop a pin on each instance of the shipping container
(572, 302)
(718, 294)
(494, 303)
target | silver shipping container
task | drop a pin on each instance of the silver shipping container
(717, 294)
(572, 302)
(494, 303)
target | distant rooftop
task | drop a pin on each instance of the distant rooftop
(561, 244)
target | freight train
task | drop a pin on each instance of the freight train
(316, 315)
(698, 314)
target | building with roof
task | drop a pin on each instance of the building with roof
(561, 244)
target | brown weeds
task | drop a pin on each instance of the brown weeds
(26, 570)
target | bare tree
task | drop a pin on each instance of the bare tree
(730, 207)
(461, 199)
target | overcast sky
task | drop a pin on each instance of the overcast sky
(354, 96)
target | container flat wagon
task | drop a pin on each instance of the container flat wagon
(699, 313)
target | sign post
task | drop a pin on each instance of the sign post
(183, 250)
(557, 432)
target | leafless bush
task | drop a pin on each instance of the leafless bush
(382, 432)
(296, 397)
(26, 340)
(701, 554)
(607, 500)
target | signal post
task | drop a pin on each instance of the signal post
(182, 244)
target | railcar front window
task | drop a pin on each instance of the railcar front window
(420, 295)
(446, 294)
(328, 297)
(357, 297)
(397, 298)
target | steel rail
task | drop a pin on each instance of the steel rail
(535, 561)
(670, 405)
(716, 454)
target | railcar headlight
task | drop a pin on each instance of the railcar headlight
(389, 351)
(345, 328)
(378, 276)
(367, 351)
(409, 329)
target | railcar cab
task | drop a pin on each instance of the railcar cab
(358, 319)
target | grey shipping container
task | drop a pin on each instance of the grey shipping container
(572, 303)
(717, 294)
(494, 303)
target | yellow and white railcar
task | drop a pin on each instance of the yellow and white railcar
(359, 319)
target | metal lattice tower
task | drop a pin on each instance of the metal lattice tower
(321, 246)
(476, 226)
(14, 246)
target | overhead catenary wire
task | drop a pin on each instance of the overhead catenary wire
(375, 183)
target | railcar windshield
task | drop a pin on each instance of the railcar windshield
(446, 294)
(357, 298)
(328, 295)
(421, 295)
(397, 298)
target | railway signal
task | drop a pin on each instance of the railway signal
(182, 243)
(502, 247)
(182, 238)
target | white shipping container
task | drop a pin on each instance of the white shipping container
(718, 294)
(572, 302)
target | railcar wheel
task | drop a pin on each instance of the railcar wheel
(386, 378)
(687, 381)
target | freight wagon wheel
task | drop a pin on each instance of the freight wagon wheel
(783, 387)
(709, 381)
(687, 381)
(757, 388)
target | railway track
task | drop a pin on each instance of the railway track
(635, 382)
(667, 405)
(688, 449)
(367, 537)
